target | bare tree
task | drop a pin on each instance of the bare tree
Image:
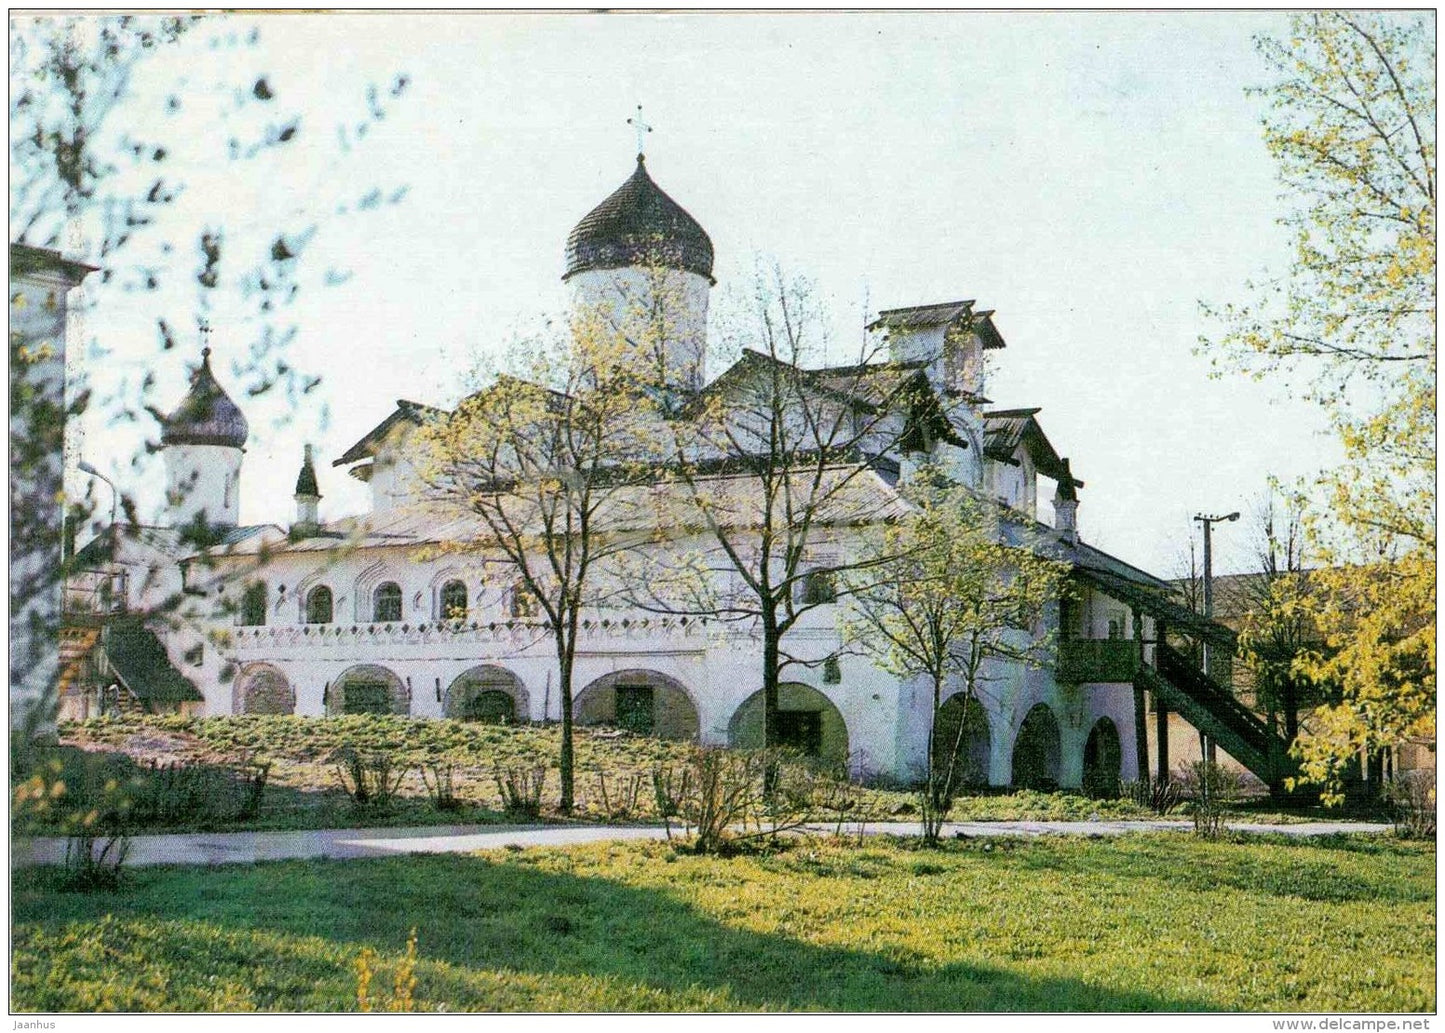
(769, 464)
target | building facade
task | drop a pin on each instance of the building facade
(361, 614)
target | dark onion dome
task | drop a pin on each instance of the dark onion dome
(639, 225)
(206, 416)
(306, 479)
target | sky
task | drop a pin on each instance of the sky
(1091, 177)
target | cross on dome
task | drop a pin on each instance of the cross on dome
(642, 129)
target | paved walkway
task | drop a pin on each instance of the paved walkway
(246, 847)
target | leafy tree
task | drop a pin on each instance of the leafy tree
(546, 463)
(1351, 125)
(958, 586)
(123, 129)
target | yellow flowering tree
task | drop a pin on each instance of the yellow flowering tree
(1351, 125)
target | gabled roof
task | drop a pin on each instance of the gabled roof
(405, 412)
(1004, 430)
(178, 543)
(27, 260)
(945, 313)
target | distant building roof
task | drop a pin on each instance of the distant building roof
(176, 542)
(405, 412)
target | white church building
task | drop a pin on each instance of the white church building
(318, 619)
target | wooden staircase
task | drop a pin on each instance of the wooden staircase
(77, 643)
(1211, 708)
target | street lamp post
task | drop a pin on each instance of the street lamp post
(114, 495)
(1208, 523)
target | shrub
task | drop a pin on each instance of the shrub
(521, 789)
(724, 797)
(403, 984)
(436, 775)
(1213, 790)
(370, 779)
(622, 802)
(1160, 795)
(1411, 799)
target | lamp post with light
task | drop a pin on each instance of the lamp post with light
(1208, 523)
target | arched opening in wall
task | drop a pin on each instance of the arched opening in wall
(961, 732)
(1102, 759)
(253, 605)
(386, 603)
(808, 723)
(368, 689)
(318, 605)
(486, 694)
(453, 602)
(1037, 751)
(641, 701)
(262, 689)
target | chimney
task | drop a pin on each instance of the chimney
(308, 496)
(1066, 506)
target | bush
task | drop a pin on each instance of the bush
(1411, 799)
(725, 797)
(521, 789)
(1160, 795)
(370, 779)
(623, 801)
(1213, 790)
(436, 775)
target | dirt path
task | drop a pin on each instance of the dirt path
(248, 847)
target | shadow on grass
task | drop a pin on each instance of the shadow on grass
(482, 916)
(205, 796)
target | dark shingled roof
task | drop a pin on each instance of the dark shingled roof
(638, 224)
(943, 313)
(140, 662)
(206, 416)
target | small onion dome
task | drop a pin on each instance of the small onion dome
(306, 479)
(207, 416)
(639, 225)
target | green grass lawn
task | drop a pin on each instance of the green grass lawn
(302, 789)
(1159, 922)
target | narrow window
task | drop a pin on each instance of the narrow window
(253, 604)
(386, 603)
(318, 605)
(832, 671)
(454, 601)
(819, 588)
(524, 606)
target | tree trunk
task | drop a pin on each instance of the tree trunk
(564, 761)
(770, 679)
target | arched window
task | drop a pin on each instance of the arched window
(253, 604)
(818, 588)
(454, 601)
(524, 605)
(318, 605)
(386, 602)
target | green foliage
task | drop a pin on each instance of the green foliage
(1147, 923)
(1351, 125)
(1160, 795)
(939, 594)
(1411, 799)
